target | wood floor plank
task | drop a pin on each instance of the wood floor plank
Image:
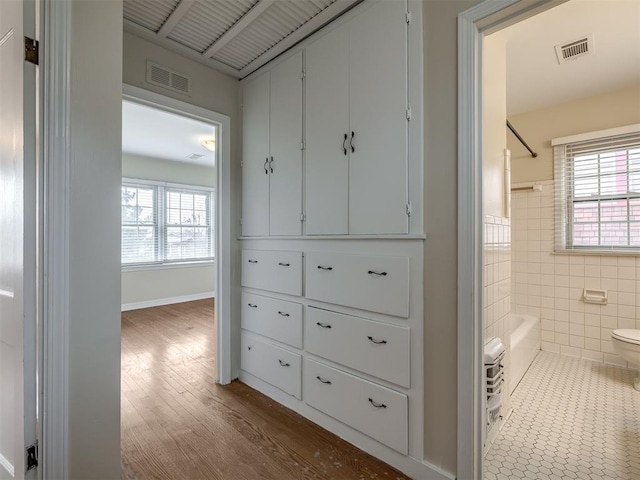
(177, 423)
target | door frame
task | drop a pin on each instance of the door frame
(473, 24)
(223, 213)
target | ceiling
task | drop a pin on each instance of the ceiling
(232, 36)
(155, 133)
(535, 79)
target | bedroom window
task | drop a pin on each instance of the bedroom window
(166, 223)
(598, 191)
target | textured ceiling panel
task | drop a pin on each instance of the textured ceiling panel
(150, 14)
(207, 20)
(279, 21)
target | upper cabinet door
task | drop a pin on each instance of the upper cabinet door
(285, 160)
(255, 156)
(327, 122)
(378, 102)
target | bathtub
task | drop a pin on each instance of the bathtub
(525, 345)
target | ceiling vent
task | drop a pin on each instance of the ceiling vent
(168, 78)
(194, 156)
(574, 49)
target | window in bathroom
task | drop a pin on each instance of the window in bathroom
(598, 190)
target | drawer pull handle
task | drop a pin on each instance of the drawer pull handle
(283, 364)
(377, 405)
(380, 274)
(253, 261)
(326, 382)
(252, 305)
(323, 325)
(377, 342)
(284, 314)
(282, 264)
(320, 267)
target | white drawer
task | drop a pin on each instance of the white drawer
(277, 366)
(272, 318)
(272, 270)
(372, 409)
(379, 349)
(374, 283)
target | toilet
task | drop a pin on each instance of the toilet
(626, 343)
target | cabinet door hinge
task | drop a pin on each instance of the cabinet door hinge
(408, 113)
(303, 217)
(409, 209)
(408, 17)
(31, 50)
(31, 457)
(303, 74)
(303, 145)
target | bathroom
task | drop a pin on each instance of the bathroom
(561, 244)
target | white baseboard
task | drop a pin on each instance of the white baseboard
(166, 301)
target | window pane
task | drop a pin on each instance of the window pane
(585, 212)
(613, 234)
(585, 234)
(138, 244)
(613, 211)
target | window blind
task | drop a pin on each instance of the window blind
(166, 223)
(597, 188)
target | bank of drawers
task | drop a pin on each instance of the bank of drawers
(272, 326)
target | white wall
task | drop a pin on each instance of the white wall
(94, 240)
(157, 285)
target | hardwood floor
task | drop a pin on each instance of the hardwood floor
(178, 424)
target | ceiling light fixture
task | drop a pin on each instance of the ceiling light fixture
(209, 144)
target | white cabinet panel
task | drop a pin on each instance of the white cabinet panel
(378, 101)
(376, 411)
(255, 152)
(285, 166)
(273, 318)
(374, 283)
(327, 121)
(277, 366)
(376, 348)
(274, 271)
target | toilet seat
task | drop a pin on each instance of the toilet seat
(627, 336)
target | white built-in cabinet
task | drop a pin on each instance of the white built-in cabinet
(356, 119)
(272, 151)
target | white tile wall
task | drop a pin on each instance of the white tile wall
(551, 285)
(497, 288)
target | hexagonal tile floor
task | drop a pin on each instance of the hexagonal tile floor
(572, 419)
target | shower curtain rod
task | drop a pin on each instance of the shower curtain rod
(515, 132)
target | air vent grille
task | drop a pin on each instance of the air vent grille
(574, 49)
(168, 78)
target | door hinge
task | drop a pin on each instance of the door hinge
(240, 221)
(241, 164)
(303, 74)
(409, 209)
(303, 145)
(408, 17)
(31, 457)
(303, 217)
(408, 113)
(31, 50)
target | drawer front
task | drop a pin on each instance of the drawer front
(272, 270)
(374, 283)
(372, 409)
(273, 318)
(277, 366)
(379, 349)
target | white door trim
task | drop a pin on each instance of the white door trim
(224, 239)
(55, 80)
(473, 24)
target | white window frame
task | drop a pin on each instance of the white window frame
(161, 189)
(563, 222)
